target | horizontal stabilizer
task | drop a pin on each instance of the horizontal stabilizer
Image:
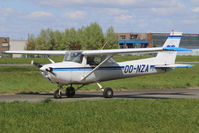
(174, 66)
(176, 49)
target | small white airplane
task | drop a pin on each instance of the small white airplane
(94, 66)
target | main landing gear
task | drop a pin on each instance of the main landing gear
(70, 91)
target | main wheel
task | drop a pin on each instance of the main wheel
(70, 91)
(108, 93)
(57, 94)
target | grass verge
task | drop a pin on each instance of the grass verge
(29, 79)
(179, 116)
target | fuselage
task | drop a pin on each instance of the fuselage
(72, 72)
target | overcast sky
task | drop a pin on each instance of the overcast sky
(18, 18)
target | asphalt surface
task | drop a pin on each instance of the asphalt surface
(131, 95)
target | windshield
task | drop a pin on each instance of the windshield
(73, 56)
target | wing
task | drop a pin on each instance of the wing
(131, 50)
(98, 52)
(38, 52)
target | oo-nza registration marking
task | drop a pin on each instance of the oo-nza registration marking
(136, 68)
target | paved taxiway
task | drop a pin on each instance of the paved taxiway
(133, 94)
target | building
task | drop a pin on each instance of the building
(4, 44)
(134, 40)
(142, 40)
(17, 45)
(188, 40)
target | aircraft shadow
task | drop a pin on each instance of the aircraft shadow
(140, 95)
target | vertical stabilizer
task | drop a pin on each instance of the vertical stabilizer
(169, 57)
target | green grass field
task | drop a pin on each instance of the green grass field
(109, 115)
(139, 116)
(29, 79)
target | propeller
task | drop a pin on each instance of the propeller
(50, 70)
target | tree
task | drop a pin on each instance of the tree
(111, 38)
(89, 37)
(31, 43)
(94, 37)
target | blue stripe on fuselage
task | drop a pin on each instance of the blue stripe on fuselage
(87, 68)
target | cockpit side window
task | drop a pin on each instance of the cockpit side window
(95, 60)
(73, 57)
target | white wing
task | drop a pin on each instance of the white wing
(38, 52)
(98, 52)
(123, 51)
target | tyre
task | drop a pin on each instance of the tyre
(108, 93)
(70, 91)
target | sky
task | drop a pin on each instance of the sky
(18, 18)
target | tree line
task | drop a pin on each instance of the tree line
(85, 38)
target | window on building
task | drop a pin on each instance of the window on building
(133, 36)
(122, 45)
(4, 44)
(131, 45)
(138, 45)
(122, 37)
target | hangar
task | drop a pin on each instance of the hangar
(142, 40)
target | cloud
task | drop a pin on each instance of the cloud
(190, 21)
(112, 11)
(195, 2)
(105, 3)
(196, 10)
(39, 15)
(75, 15)
(124, 15)
(168, 11)
(124, 19)
(6, 12)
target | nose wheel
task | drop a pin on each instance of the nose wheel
(57, 94)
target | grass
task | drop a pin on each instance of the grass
(43, 60)
(187, 58)
(171, 115)
(30, 80)
(23, 79)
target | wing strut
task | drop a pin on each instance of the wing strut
(50, 59)
(107, 58)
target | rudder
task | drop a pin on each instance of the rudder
(169, 57)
